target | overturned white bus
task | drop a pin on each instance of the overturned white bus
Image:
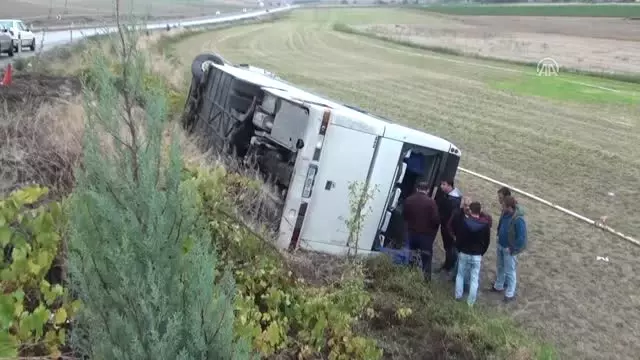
(312, 148)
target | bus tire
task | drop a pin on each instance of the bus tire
(196, 65)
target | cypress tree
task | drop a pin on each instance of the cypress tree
(140, 257)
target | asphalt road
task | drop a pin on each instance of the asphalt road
(64, 37)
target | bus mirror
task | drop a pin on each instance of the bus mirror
(299, 144)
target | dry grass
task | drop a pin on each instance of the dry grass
(42, 117)
(41, 144)
(559, 148)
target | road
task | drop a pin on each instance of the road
(64, 37)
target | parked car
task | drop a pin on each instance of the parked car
(20, 33)
(6, 41)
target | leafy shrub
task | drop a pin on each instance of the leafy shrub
(33, 311)
(273, 308)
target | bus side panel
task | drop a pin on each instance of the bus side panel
(295, 206)
(382, 178)
(347, 156)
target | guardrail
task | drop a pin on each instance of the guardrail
(71, 35)
(111, 23)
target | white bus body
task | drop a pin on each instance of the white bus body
(313, 149)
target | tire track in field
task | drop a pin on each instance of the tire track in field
(505, 108)
(334, 51)
(486, 66)
(544, 115)
(540, 112)
(487, 127)
(486, 159)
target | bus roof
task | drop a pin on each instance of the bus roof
(381, 126)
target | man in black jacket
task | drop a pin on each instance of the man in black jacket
(473, 235)
(421, 222)
(448, 199)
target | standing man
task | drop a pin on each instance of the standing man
(448, 199)
(473, 234)
(502, 192)
(457, 216)
(512, 240)
(421, 221)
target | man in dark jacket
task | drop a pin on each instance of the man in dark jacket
(421, 220)
(473, 234)
(448, 199)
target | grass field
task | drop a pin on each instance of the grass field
(594, 10)
(510, 125)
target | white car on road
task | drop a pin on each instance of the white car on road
(6, 42)
(20, 34)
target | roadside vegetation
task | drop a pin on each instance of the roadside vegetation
(132, 243)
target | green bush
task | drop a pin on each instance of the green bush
(274, 309)
(33, 311)
(140, 257)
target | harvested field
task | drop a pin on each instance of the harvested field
(42, 13)
(541, 9)
(571, 139)
(605, 45)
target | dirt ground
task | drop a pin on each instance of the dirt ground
(29, 90)
(593, 44)
(559, 150)
(40, 124)
(40, 13)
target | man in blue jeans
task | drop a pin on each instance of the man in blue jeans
(473, 234)
(421, 220)
(512, 240)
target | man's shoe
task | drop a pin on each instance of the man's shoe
(509, 299)
(493, 289)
